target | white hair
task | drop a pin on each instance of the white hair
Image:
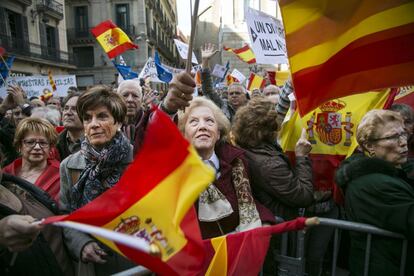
(133, 82)
(50, 114)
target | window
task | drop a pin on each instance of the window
(84, 56)
(81, 19)
(122, 16)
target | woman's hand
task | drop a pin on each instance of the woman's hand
(207, 51)
(180, 92)
(17, 93)
(18, 232)
(91, 252)
(303, 146)
(312, 221)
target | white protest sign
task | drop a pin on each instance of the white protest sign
(35, 86)
(219, 71)
(267, 37)
(183, 50)
(151, 71)
(238, 75)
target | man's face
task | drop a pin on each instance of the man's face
(131, 93)
(237, 97)
(271, 90)
(70, 117)
(18, 115)
(55, 102)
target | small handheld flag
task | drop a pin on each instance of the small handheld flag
(163, 74)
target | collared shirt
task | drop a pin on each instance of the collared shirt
(73, 146)
(214, 162)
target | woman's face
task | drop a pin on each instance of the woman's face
(391, 143)
(35, 148)
(100, 126)
(201, 129)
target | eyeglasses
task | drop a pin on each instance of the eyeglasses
(395, 137)
(32, 143)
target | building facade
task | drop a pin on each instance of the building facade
(35, 32)
(151, 24)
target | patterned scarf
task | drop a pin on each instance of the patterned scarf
(214, 206)
(103, 169)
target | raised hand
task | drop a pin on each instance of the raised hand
(303, 146)
(207, 51)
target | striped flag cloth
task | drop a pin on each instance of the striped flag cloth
(278, 77)
(51, 81)
(112, 39)
(339, 48)
(255, 82)
(153, 201)
(245, 53)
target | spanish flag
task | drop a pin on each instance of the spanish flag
(339, 48)
(230, 79)
(245, 53)
(243, 253)
(112, 39)
(255, 82)
(51, 81)
(405, 95)
(331, 129)
(278, 77)
(153, 201)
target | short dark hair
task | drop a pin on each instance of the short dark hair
(69, 96)
(101, 95)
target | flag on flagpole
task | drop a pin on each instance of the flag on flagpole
(245, 53)
(125, 71)
(154, 200)
(5, 67)
(230, 79)
(255, 82)
(331, 129)
(51, 81)
(163, 74)
(278, 77)
(339, 48)
(112, 39)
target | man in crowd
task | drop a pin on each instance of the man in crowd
(69, 138)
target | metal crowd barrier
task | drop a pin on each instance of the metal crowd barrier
(295, 266)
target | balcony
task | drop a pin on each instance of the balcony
(25, 2)
(50, 7)
(80, 36)
(23, 47)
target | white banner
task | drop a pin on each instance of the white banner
(219, 71)
(151, 71)
(267, 37)
(183, 50)
(35, 86)
(238, 75)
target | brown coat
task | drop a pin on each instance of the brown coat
(276, 184)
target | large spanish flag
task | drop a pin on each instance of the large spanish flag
(154, 201)
(243, 253)
(331, 129)
(339, 48)
(278, 77)
(112, 39)
(244, 53)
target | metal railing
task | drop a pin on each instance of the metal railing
(50, 5)
(23, 47)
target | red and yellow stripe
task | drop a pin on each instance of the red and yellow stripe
(245, 53)
(255, 82)
(113, 40)
(341, 48)
(51, 81)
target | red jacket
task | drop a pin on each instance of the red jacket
(49, 180)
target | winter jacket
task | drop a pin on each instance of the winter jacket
(276, 184)
(382, 195)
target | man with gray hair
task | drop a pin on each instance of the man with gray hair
(52, 115)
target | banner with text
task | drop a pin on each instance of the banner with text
(238, 75)
(267, 37)
(35, 86)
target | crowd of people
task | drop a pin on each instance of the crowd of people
(59, 154)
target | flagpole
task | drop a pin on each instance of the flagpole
(194, 19)
(5, 64)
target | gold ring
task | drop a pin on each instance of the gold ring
(182, 95)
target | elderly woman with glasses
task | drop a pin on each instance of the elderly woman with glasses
(379, 192)
(35, 139)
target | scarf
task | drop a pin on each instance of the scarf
(213, 205)
(103, 169)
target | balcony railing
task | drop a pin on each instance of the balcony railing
(23, 47)
(80, 36)
(51, 8)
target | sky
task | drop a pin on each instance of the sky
(184, 15)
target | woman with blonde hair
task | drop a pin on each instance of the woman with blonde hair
(227, 205)
(35, 139)
(379, 192)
